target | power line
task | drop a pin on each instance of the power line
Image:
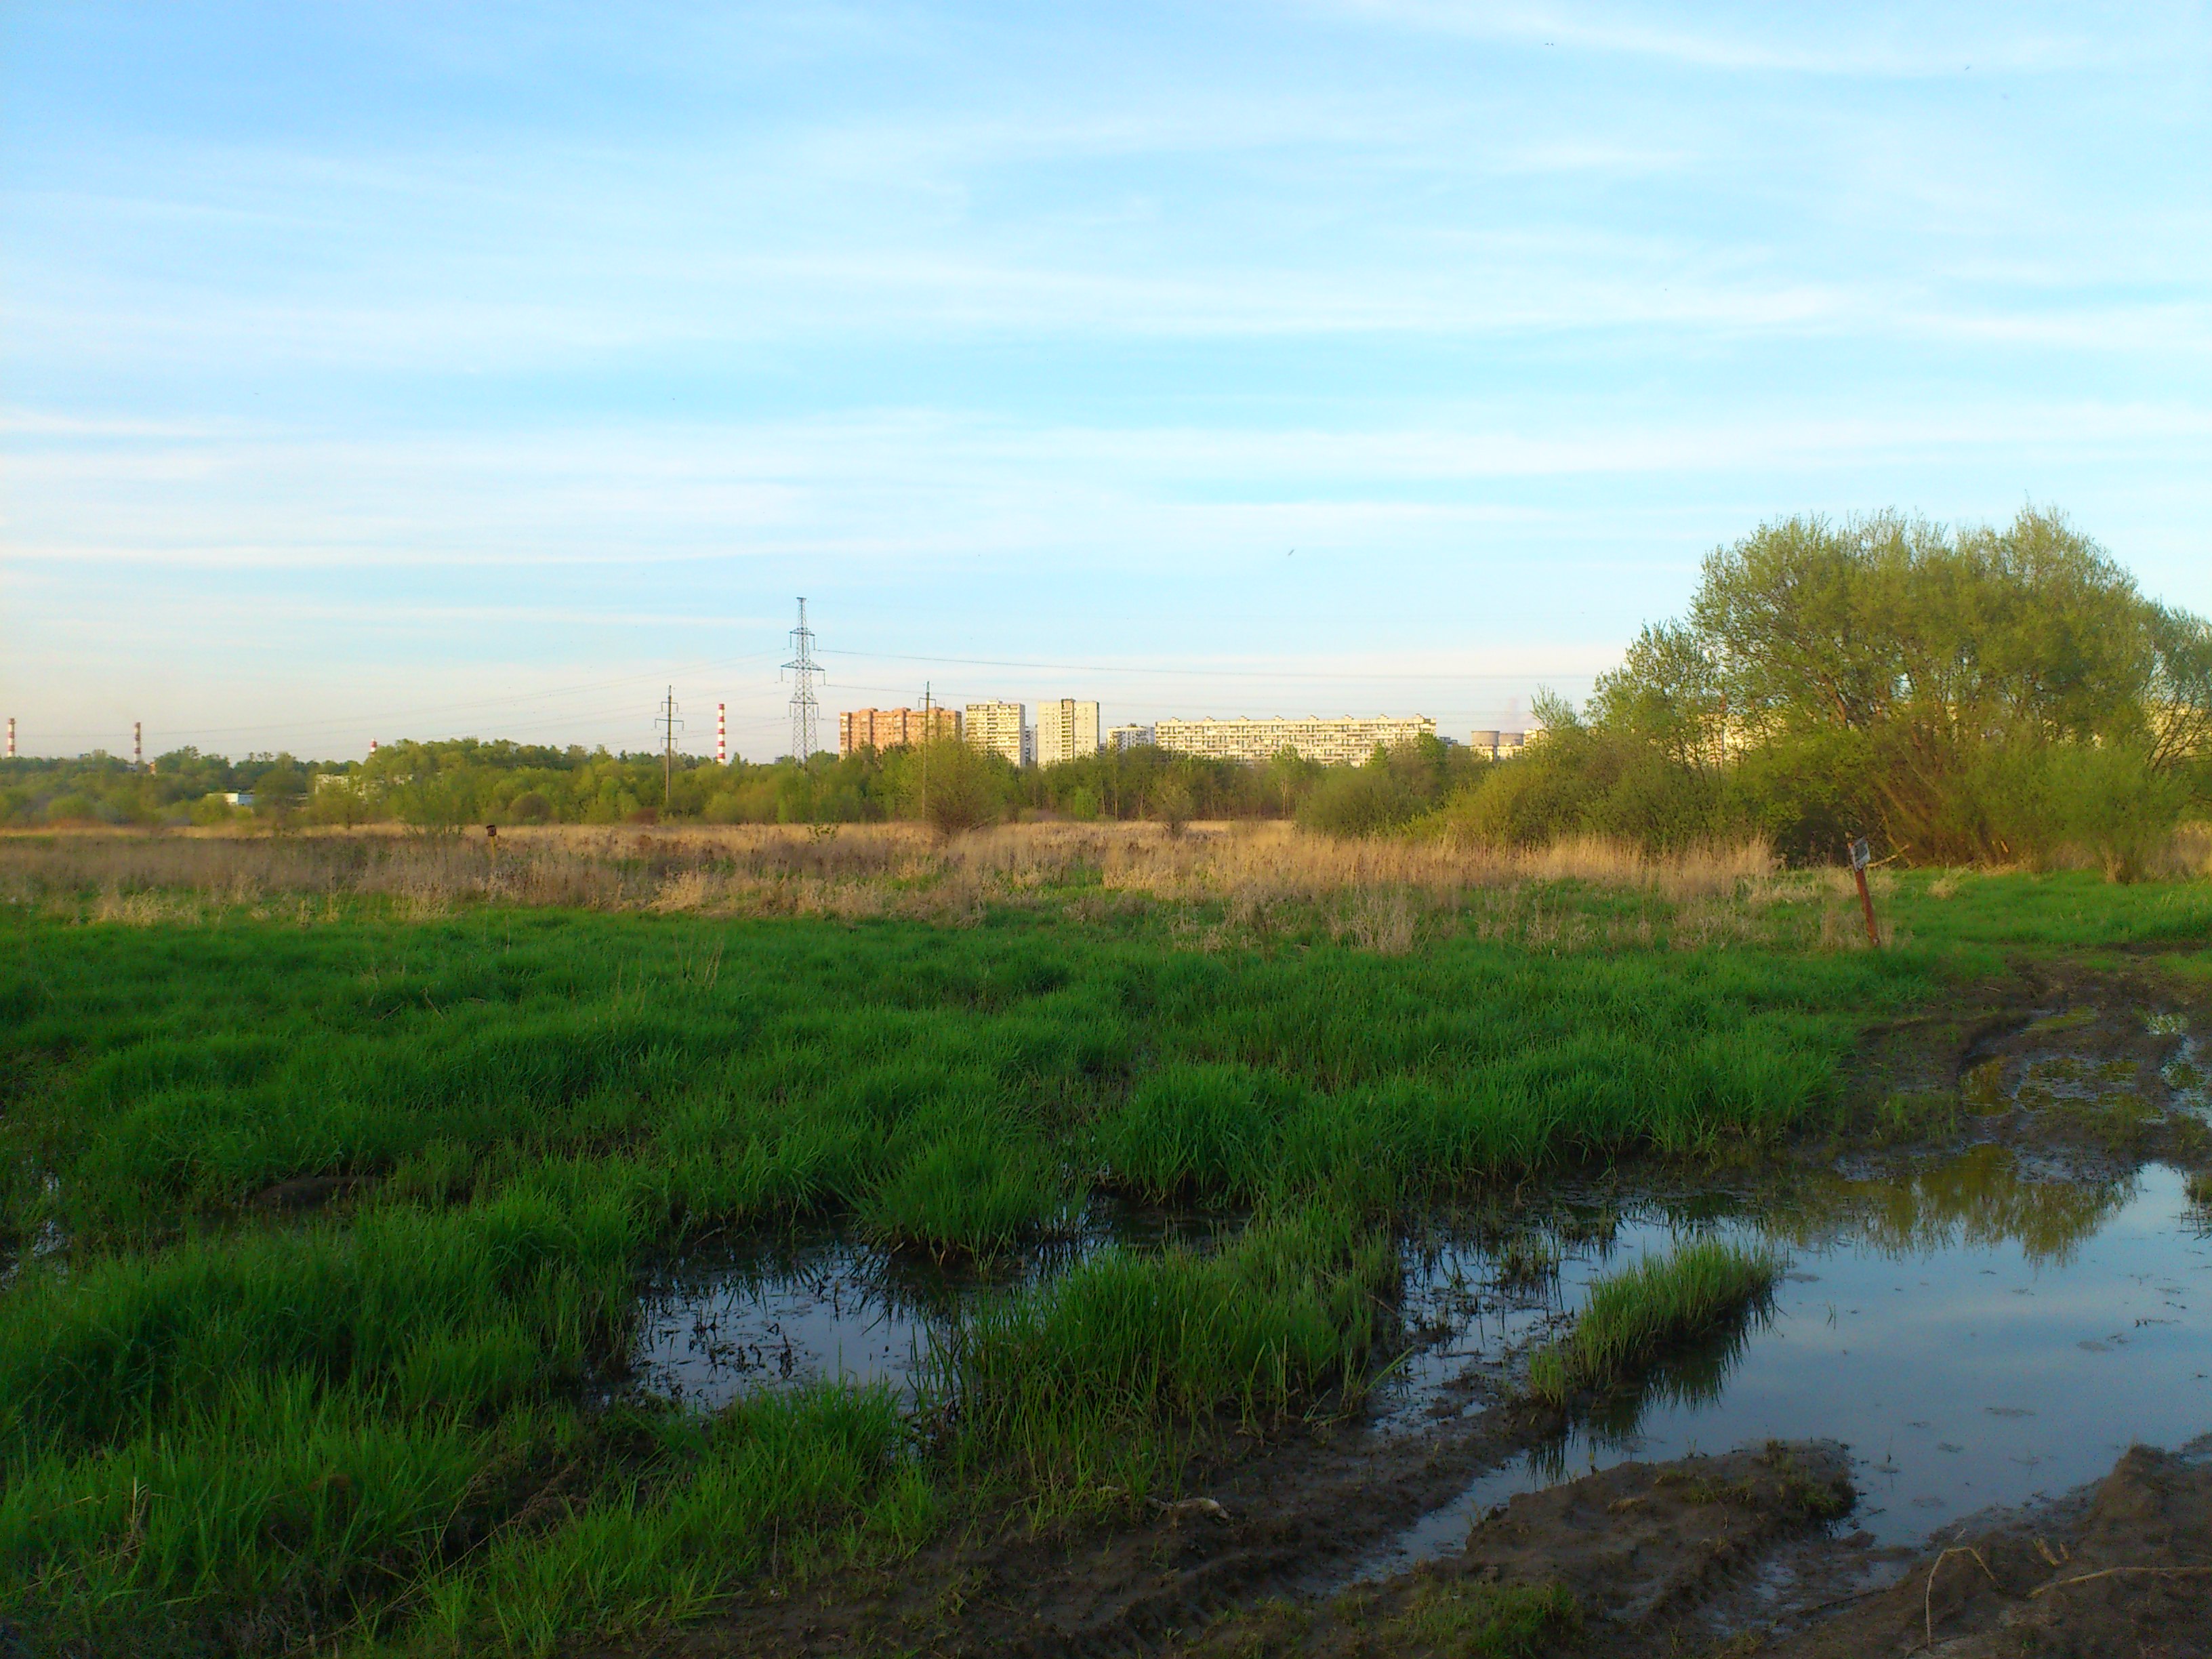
(392, 718)
(1215, 673)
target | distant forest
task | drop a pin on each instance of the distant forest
(1991, 695)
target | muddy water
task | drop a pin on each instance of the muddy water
(826, 1306)
(1977, 1337)
(1977, 1334)
(1978, 1329)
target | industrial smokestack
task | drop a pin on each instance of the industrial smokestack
(11, 736)
(137, 746)
(721, 734)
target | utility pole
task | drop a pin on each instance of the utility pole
(928, 735)
(803, 671)
(669, 726)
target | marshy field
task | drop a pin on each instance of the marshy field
(1092, 1238)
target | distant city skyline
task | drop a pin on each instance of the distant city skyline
(413, 371)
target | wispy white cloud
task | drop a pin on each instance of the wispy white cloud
(1911, 43)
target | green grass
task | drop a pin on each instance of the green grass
(1081, 1388)
(1635, 1317)
(169, 1074)
(225, 1429)
(1457, 1620)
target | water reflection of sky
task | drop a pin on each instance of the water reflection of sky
(1974, 1336)
(824, 1306)
(1986, 1373)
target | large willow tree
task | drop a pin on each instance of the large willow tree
(1988, 695)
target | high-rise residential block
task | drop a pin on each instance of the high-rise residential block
(1066, 730)
(1333, 742)
(1129, 736)
(999, 727)
(893, 728)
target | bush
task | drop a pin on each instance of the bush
(955, 786)
(72, 809)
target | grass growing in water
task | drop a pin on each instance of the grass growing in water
(1633, 1317)
(1085, 1384)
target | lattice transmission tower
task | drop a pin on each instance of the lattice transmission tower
(803, 671)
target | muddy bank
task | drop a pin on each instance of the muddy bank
(1748, 1553)
(1623, 1560)
(1314, 1499)
(2124, 1570)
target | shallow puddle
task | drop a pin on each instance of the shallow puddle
(820, 1309)
(823, 1306)
(1978, 1330)
(1975, 1338)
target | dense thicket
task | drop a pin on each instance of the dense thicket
(1985, 695)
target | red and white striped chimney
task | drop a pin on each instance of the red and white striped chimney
(11, 736)
(721, 734)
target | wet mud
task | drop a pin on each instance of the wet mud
(2122, 1568)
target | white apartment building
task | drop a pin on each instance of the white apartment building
(1344, 741)
(1129, 737)
(1066, 730)
(999, 727)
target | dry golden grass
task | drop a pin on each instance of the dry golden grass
(1220, 887)
(1375, 890)
(2191, 853)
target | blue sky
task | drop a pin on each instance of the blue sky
(376, 370)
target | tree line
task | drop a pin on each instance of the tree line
(1982, 696)
(446, 784)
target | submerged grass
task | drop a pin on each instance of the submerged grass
(1633, 1318)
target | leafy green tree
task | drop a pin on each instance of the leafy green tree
(1994, 694)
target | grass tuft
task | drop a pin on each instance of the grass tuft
(1486, 1622)
(1634, 1317)
(1090, 1381)
(972, 1193)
